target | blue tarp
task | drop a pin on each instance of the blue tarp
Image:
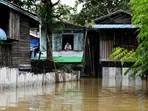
(2, 35)
(33, 43)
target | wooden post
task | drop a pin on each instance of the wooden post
(96, 57)
(98, 64)
(43, 79)
(93, 44)
(84, 51)
(89, 48)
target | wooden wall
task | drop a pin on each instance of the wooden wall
(21, 48)
(15, 53)
(17, 28)
(106, 45)
(5, 55)
(24, 42)
(116, 38)
(14, 25)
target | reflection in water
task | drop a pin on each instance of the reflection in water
(107, 94)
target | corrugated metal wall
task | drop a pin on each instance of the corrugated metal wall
(106, 46)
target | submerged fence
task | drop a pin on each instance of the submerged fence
(12, 77)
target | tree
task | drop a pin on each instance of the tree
(47, 15)
(64, 12)
(139, 10)
(52, 14)
(140, 19)
(96, 8)
(18, 2)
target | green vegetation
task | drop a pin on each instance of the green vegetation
(139, 67)
(123, 55)
(140, 19)
(140, 56)
(67, 68)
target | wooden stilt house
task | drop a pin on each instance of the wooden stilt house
(15, 23)
(66, 32)
(109, 31)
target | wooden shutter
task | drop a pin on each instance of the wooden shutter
(53, 42)
(78, 41)
(57, 42)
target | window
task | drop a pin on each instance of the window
(60, 40)
(67, 38)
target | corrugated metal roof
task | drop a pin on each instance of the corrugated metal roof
(113, 26)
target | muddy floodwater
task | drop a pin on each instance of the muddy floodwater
(85, 95)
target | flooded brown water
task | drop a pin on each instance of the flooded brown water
(85, 95)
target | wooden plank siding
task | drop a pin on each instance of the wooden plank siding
(21, 48)
(14, 25)
(20, 53)
(5, 55)
(24, 44)
(24, 29)
(106, 46)
(24, 52)
(15, 53)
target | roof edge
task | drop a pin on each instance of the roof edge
(114, 26)
(113, 13)
(17, 8)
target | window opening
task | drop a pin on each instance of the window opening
(67, 38)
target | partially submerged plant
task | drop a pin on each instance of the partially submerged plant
(123, 55)
(139, 67)
(68, 68)
(126, 56)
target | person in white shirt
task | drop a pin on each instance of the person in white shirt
(67, 46)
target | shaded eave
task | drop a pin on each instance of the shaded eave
(77, 25)
(111, 14)
(97, 27)
(18, 9)
(72, 24)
